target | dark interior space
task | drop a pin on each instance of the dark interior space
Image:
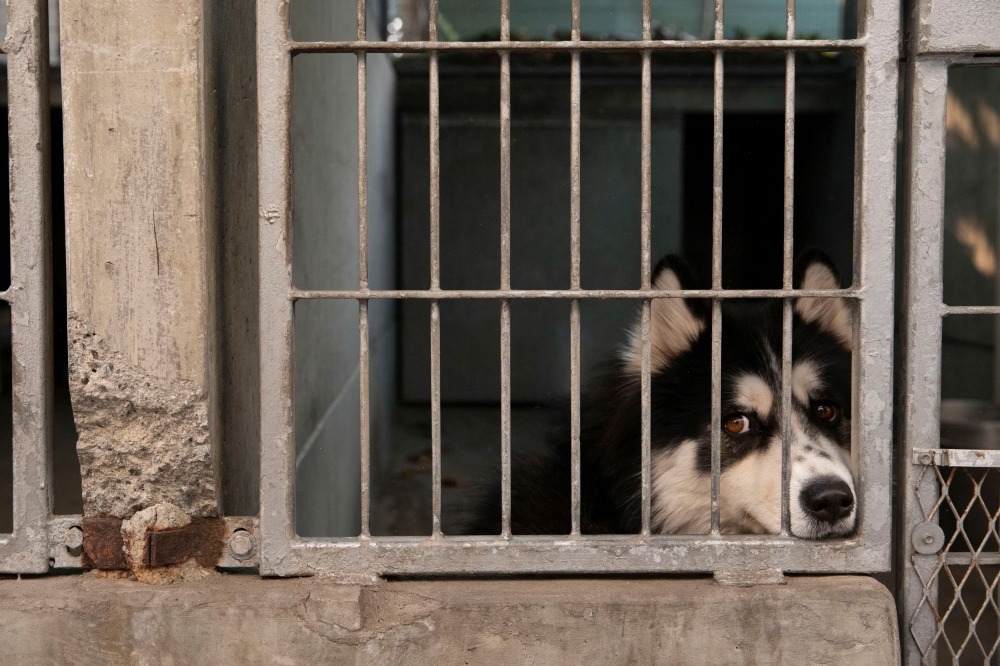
(753, 195)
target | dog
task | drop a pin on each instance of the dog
(822, 495)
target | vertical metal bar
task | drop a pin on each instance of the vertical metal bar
(363, 360)
(505, 417)
(716, 469)
(923, 210)
(436, 416)
(646, 207)
(435, 169)
(574, 235)
(787, 268)
(26, 550)
(277, 437)
(363, 380)
(875, 213)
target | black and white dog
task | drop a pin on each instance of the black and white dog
(822, 497)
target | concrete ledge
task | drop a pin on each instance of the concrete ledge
(246, 620)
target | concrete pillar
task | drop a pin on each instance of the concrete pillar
(141, 240)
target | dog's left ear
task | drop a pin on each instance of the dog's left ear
(815, 271)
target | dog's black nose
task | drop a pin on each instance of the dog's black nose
(828, 500)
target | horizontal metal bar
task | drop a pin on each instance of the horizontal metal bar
(581, 554)
(956, 457)
(969, 310)
(501, 294)
(596, 45)
(965, 559)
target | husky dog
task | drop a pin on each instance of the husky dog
(821, 492)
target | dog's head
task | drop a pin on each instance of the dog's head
(821, 493)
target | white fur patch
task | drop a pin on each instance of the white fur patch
(754, 394)
(672, 329)
(805, 381)
(832, 315)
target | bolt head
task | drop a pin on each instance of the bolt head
(928, 539)
(74, 541)
(241, 545)
(926, 459)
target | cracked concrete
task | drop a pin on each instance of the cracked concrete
(143, 440)
(227, 619)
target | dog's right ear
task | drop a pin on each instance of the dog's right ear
(675, 323)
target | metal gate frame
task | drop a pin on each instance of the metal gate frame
(26, 549)
(285, 554)
(947, 33)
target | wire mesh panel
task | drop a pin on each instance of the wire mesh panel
(25, 550)
(958, 538)
(869, 296)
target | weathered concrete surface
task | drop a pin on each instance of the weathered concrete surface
(246, 620)
(140, 244)
(143, 439)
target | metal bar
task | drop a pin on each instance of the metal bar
(436, 416)
(786, 414)
(363, 359)
(954, 559)
(505, 393)
(646, 388)
(586, 554)
(277, 436)
(30, 294)
(818, 45)
(363, 380)
(788, 259)
(716, 469)
(956, 457)
(646, 233)
(716, 425)
(920, 313)
(969, 310)
(435, 185)
(574, 278)
(505, 294)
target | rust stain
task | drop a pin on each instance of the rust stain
(103, 547)
(203, 541)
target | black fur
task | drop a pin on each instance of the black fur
(681, 409)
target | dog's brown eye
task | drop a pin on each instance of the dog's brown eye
(738, 424)
(825, 412)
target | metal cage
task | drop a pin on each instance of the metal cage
(284, 553)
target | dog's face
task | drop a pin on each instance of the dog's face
(822, 495)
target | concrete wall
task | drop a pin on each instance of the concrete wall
(244, 620)
(325, 213)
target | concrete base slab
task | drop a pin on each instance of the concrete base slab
(231, 619)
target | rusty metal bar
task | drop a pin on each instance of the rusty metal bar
(716, 467)
(505, 393)
(505, 294)
(788, 259)
(574, 278)
(646, 233)
(817, 45)
(25, 550)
